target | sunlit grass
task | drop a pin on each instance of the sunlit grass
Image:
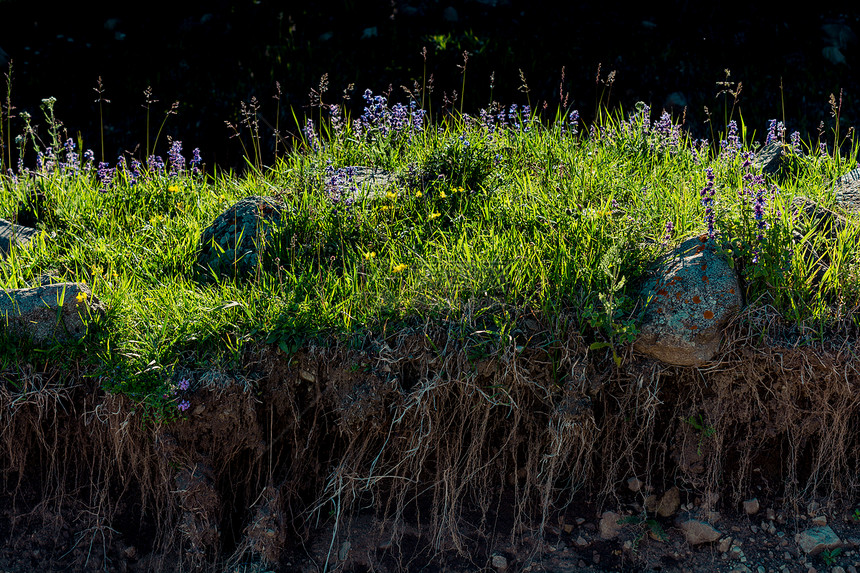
(525, 212)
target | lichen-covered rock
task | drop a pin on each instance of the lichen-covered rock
(233, 243)
(51, 313)
(690, 298)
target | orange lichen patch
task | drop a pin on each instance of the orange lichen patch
(677, 296)
(704, 266)
(699, 249)
(709, 314)
(731, 291)
(703, 238)
(696, 299)
(693, 327)
(705, 278)
(662, 291)
(660, 309)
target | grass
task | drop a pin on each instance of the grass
(501, 214)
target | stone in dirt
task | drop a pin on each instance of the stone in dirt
(233, 243)
(609, 526)
(690, 298)
(751, 506)
(634, 484)
(499, 562)
(59, 312)
(698, 532)
(817, 539)
(669, 503)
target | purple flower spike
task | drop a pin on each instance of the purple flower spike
(184, 405)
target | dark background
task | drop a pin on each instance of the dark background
(210, 56)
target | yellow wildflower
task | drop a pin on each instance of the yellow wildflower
(433, 215)
(173, 188)
(391, 195)
(370, 255)
(418, 194)
(460, 189)
(442, 195)
(385, 208)
(82, 296)
(399, 268)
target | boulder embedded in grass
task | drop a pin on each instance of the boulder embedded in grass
(14, 235)
(847, 190)
(775, 158)
(690, 298)
(233, 243)
(58, 312)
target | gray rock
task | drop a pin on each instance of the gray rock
(698, 532)
(609, 526)
(357, 183)
(634, 484)
(751, 506)
(847, 190)
(343, 552)
(233, 243)
(690, 298)
(817, 539)
(499, 562)
(768, 157)
(52, 313)
(813, 223)
(669, 503)
(12, 235)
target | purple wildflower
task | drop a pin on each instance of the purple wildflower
(89, 159)
(771, 131)
(175, 159)
(311, 135)
(134, 172)
(707, 195)
(795, 141)
(732, 143)
(574, 122)
(196, 162)
(105, 175)
(336, 119)
(184, 405)
(155, 163)
(184, 384)
(670, 230)
(71, 157)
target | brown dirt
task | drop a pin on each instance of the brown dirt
(439, 448)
